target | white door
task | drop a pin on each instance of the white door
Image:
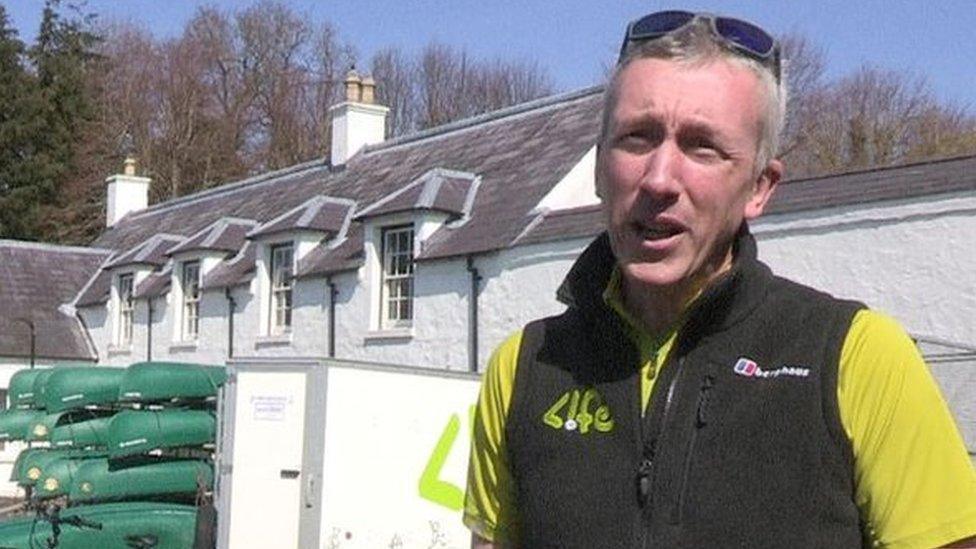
(267, 478)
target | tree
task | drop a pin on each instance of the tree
(25, 179)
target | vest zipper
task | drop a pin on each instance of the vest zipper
(645, 472)
(701, 420)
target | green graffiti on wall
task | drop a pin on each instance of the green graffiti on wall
(431, 486)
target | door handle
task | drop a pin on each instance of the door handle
(310, 492)
(289, 473)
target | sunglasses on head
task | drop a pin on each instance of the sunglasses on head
(740, 36)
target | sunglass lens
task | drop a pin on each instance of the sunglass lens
(745, 35)
(660, 23)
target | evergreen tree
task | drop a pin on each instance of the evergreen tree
(63, 62)
(25, 174)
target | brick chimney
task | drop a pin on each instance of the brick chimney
(357, 121)
(127, 192)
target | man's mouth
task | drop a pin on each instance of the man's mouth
(658, 230)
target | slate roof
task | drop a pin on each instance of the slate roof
(322, 214)
(441, 190)
(36, 280)
(150, 253)
(235, 270)
(875, 185)
(224, 235)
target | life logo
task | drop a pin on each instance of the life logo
(748, 368)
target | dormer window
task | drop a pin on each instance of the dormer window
(191, 299)
(126, 308)
(397, 277)
(282, 269)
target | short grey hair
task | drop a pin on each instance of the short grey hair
(696, 45)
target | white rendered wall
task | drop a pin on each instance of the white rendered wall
(125, 193)
(915, 260)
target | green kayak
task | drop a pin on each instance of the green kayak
(96, 481)
(123, 526)
(69, 388)
(134, 432)
(81, 434)
(167, 381)
(33, 467)
(16, 423)
(21, 387)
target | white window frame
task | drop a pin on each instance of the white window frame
(125, 289)
(281, 270)
(190, 287)
(396, 276)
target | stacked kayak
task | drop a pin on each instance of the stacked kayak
(143, 435)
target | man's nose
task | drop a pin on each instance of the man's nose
(661, 170)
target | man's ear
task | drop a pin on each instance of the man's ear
(597, 179)
(763, 188)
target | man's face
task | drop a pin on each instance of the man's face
(676, 169)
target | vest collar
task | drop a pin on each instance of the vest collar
(723, 303)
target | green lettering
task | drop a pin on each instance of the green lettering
(550, 418)
(584, 418)
(603, 423)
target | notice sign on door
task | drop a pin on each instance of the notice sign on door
(270, 407)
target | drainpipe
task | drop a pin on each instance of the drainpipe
(231, 308)
(333, 293)
(473, 316)
(33, 339)
(149, 331)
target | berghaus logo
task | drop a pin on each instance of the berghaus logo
(748, 368)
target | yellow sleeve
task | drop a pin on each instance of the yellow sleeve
(489, 502)
(914, 482)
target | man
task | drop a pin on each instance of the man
(688, 397)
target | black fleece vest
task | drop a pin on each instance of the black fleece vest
(741, 446)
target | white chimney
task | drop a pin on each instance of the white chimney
(127, 192)
(357, 121)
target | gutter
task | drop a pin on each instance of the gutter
(333, 294)
(231, 309)
(149, 305)
(473, 315)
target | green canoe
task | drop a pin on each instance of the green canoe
(134, 432)
(15, 423)
(18, 471)
(123, 526)
(69, 388)
(21, 387)
(59, 476)
(96, 481)
(81, 434)
(42, 428)
(32, 467)
(40, 386)
(167, 381)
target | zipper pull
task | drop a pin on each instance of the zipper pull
(708, 382)
(644, 476)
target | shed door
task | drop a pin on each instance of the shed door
(268, 480)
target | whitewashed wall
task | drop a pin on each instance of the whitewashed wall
(913, 259)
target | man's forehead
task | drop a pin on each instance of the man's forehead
(705, 87)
